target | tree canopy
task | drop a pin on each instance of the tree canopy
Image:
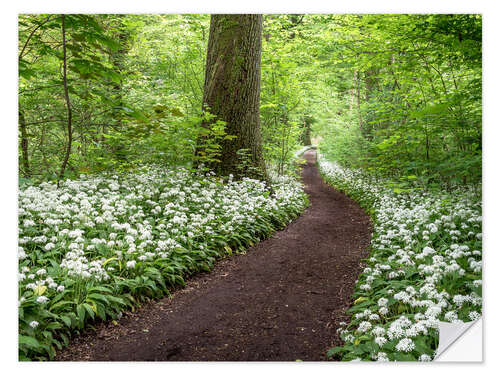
(397, 94)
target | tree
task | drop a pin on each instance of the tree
(62, 57)
(232, 89)
(306, 130)
(66, 96)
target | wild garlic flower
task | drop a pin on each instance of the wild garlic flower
(405, 345)
(380, 340)
(42, 299)
(425, 358)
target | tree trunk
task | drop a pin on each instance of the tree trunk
(307, 131)
(68, 104)
(370, 84)
(353, 92)
(232, 87)
(358, 99)
(117, 60)
(24, 144)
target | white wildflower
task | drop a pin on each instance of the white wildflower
(364, 326)
(42, 299)
(425, 358)
(405, 345)
(380, 340)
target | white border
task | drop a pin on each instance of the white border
(8, 146)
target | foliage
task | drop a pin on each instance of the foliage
(41, 95)
(102, 244)
(424, 267)
(210, 136)
(399, 95)
(287, 87)
(126, 104)
(408, 97)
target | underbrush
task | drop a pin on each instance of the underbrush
(102, 244)
(425, 266)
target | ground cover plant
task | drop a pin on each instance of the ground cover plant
(425, 266)
(104, 97)
(102, 244)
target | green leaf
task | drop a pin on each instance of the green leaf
(66, 320)
(81, 313)
(100, 289)
(335, 350)
(98, 297)
(29, 341)
(89, 310)
(53, 326)
(59, 304)
(403, 357)
(40, 289)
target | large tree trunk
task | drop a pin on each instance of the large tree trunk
(232, 88)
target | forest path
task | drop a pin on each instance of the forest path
(281, 301)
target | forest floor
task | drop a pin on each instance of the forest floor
(283, 300)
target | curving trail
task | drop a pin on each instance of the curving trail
(281, 301)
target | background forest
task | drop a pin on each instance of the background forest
(397, 95)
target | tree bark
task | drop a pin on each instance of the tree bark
(68, 104)
(232, 87)
(117, 59)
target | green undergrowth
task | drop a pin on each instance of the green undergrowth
(425, 266)
(103, 244)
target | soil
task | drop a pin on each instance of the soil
(282, 300)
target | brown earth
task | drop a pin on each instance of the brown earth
(281, 301)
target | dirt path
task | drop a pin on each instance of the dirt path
(282, 301)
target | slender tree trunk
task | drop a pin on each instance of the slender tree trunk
(370, 85)
(307, 131)
(68, 104)
(41, 148)
(24, 144)
(427, 144)
(283, 145)
(232, 86)
(358, 98)
(118, 61)
(353, 93)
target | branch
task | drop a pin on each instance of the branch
(32, 33)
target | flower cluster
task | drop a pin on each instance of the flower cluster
(424, 267)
